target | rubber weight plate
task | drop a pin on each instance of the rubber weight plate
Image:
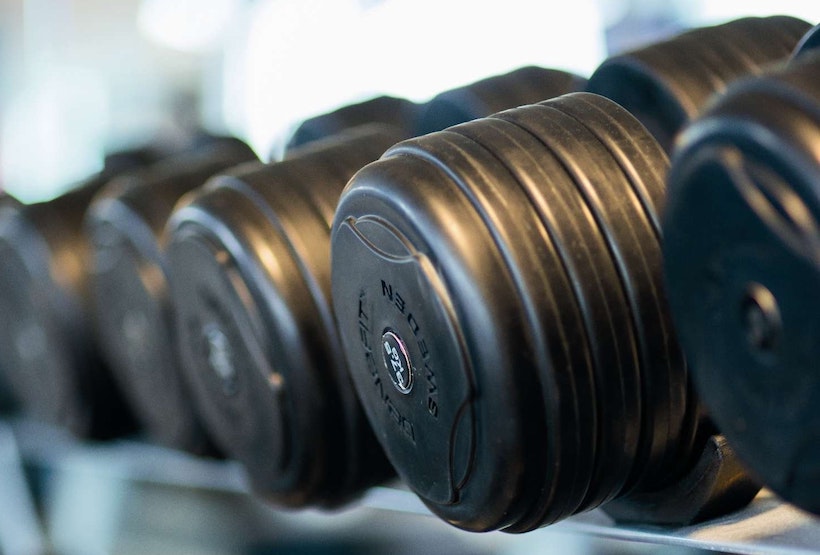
(602, 399)
(667, 84)
(47, 348)
(742, 260)
(637, 254)
(386, 279)
(129, 282)
(638, 154)
(250, 279)
(809, 42)
(645, 165)
(553, 318)
(467, 267)
(399, 113)
(786, 30)
(587, 273)
(525, 85)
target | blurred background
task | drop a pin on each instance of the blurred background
(79, 78)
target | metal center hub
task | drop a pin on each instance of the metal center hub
(761, 318)
(397, 361)
(220, 357)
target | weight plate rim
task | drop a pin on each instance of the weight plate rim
(211, 235)
(727, 408)
(586, 442)
(380, 181)
(617, 130)
(476, 167)
(607, 272)
(509, 130)
(636, 274)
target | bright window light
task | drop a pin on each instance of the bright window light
(186, 25)
(305, 57)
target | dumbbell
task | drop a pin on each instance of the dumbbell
(124, 225)
(809, 43)
(666, 84)
(525, 85)
(742, 258)
(499, 296)
(399, 113)
(47, 351)
(250, 281)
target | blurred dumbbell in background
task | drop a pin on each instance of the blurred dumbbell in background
(742, 261)
(250, 280)
(49, 356)
(666, 84)
(132, 305)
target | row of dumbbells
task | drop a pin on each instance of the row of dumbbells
(483, 294)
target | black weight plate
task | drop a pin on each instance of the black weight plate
(537, 272)
(613, 478)
(656, 340)
(37, 357)
(227, 350)
(796, 85)
(292, 209)
(769, 411)
(273, 411)
(49, 353)
(809, 42)
(658, 85)
(564, 494)
(747, 175)
(716, 52)
(713, 53)
(135, 333)
(400, 114)
(324, 193)
(756, 53)
(482, 98)
(735, 44)
(593, 277)
(289, 207)
(129, 283)
(630, 238)
(645, 164)
(782, 30)
(555, 320)
(401, 262)
(765, 39)
(640, 156)
(260, 348)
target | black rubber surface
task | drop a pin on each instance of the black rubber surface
(743, 265)
(525, 85)
(516, 263)
(666, 84)
(809, 43)
(133, 316)
(401, 114)
(250, 261)
(47, 347)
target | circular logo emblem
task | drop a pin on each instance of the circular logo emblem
(220, 357)
(397, 361)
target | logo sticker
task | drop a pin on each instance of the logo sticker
(397, 361)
